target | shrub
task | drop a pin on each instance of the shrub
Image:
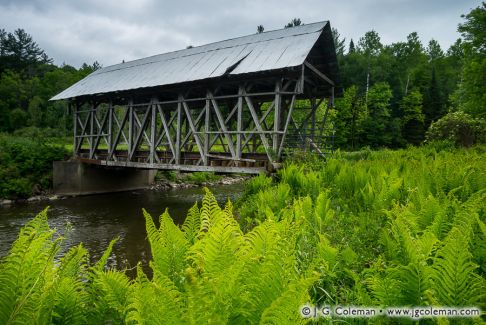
(201, 177)
(459, 128)
(26, 164)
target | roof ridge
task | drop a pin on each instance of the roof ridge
(124, 65)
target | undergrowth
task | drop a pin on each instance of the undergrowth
(388, 228)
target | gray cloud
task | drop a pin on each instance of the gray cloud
(110, 31)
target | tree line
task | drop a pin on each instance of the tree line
(392, 93)
(28, 79)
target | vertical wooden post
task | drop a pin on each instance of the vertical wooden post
(153, 132)
(75, 120)
(178, 132)
(130, 125)
(313, 119)
(239, 122)
(110, 129)
(206, 128)
(91, 130)
(276, 121)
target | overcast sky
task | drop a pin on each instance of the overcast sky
(110, 31)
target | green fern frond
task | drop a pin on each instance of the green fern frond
(192, 224)
(414, 284)
(156, 302)
(74, 262)
(106, 254)
(70, 302)
(112, 289)
(386, 289)
(210, 212)
(455, 280)
(26, 271)
(286, 308)
(168, 245)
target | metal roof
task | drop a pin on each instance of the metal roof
(283, 48)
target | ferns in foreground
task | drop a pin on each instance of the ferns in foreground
(399, 228)
(207, 270)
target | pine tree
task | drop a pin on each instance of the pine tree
(352, 47)
(433, 103)
(413, 117)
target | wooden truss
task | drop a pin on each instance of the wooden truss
(243, 130)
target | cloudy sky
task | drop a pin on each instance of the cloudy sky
(109, 31)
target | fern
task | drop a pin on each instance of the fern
(155, 302)
(192, 224)
(454, 278)
(112, 293)
(169, 246)
(286, 308)
(24, 272)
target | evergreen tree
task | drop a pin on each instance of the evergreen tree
(294, 22)
(19, 52)
(352, 48)
(260, 29)
(338, 43)
(433, 103)
(434, 51)
(413, 117)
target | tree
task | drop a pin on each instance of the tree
(474, 30)
(434, 51)
(413, 117)
(352, 47)
(338, 43)
(350, 116)
(378, 105)
(18, 52)
(370, 44)
(471, 95)
(433, 102)
(294, 22)
(260, 29)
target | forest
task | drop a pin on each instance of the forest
(393, 95)
(394, 217)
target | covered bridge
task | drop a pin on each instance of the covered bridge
(229, 106)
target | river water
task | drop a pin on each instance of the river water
(97, 219)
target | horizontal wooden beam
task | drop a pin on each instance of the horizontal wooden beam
(189, 168)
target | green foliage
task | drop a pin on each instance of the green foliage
(208, 270)
(26, 165)
(388, 227)
(201, 177)
(384, 228)
(413, 117)
(376, 124)
(459, 128)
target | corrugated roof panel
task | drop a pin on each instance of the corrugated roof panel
(264, 52)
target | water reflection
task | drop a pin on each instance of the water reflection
(97, 219)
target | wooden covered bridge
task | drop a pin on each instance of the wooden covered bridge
(232, 106)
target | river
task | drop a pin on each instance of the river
(96, 219)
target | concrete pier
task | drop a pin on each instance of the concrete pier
(77, 178)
